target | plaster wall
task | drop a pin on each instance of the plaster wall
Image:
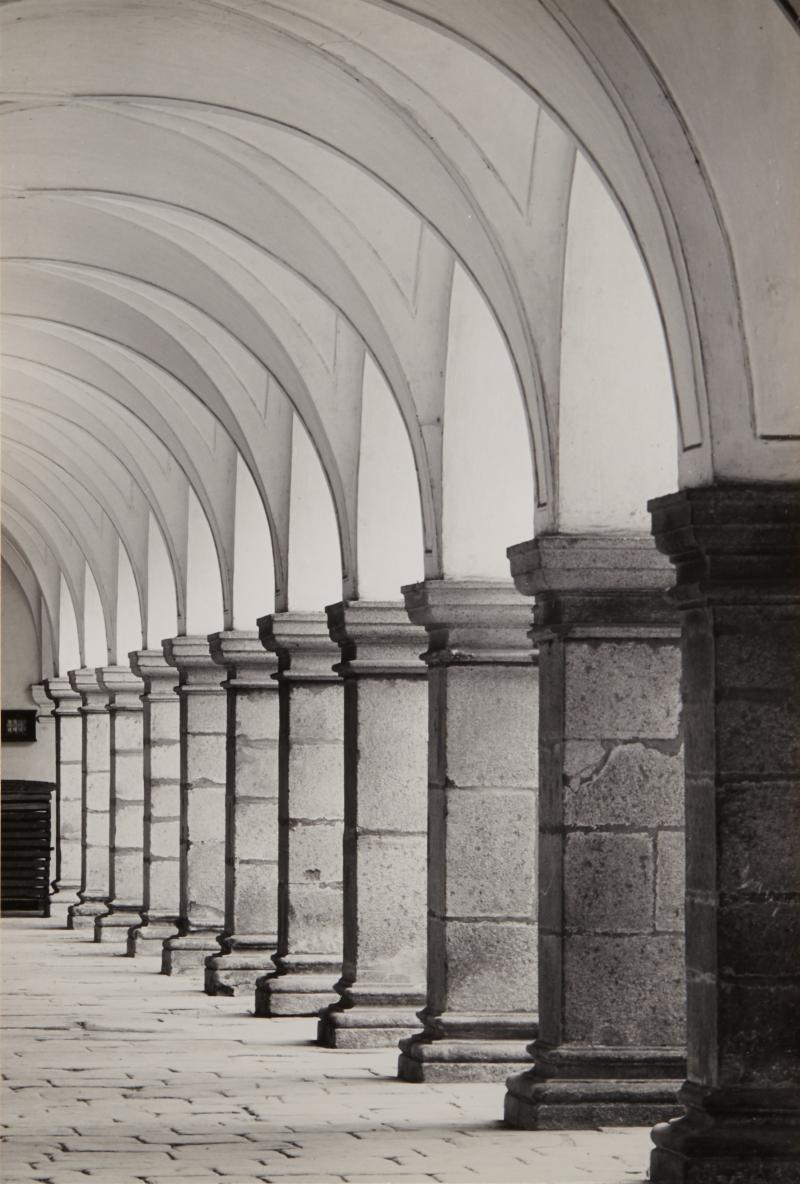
(21, 666)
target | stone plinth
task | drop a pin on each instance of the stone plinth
(610, 1049)
(385, 826)
(161, 820)
(250, 936)
(46, 736)
(480, 1009)
(311, 799)
(126, 888)
(736, 552)
(95, 799)
(203, 730)
(69, 793)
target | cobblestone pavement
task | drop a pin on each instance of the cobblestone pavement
(115, 1073)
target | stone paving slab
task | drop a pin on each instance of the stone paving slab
(117, 1074)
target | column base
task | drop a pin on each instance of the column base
(148, 937)
(187, 953)
(745, 1137)
(65, 895)
(301, 984)
(467, 1048)
(370, 1016)
(579, 1088)
(82, 915)
(114, 925)
(241, 963)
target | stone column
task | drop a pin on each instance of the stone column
(203, 730)
(162, 803)
(126, 874)
(611, 986)
(68, 804)
(95, 799)
(481, 989)
(46, 737)
(385, 826)
(310, 801)
(737, 583)
(250, 937)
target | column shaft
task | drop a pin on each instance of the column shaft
(203, 730)
(95, 799)
(126, 873)
(250, 936)
(737, 585)
(162, 803)
(481, 983)
(68, 804)
(310, 793)
(385, 826)
(611, 997)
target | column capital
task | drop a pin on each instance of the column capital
(94, 699)
(197, 670)
(594, 583)
(159, 678)
(249, 665)
(302, 643)
(471, 622)
(123, 686)
(731, 544)
(67, 701)
(376, 638)
(44, 703)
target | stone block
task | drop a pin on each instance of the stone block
(257, 768)
(670, 863)
(255, 829)
(255, 894)
(206, 714)
(128, 877)
(315, 853)
(487, 966)
(205, 759)
(758, 825)
(163, 722)
(128, 824)
(128, 776)
(609, 1000)
(165, 800)
(165, 762)
(757, 1031)
(316, 781)
(257, 714)
(763, 934)
(622, 690)
(390, 747)
(314, 919)
(628, 785)
(758, 736)
(97, 829)
(608, 882)
(391, 910)
(164, 886)
(165, 839)
(316, 711)
(491, 845)
(127, 729)
(491, 725)
(206, 813)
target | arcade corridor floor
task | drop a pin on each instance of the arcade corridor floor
(115, 1073)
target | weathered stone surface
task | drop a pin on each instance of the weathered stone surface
(622, 689)
(627, 785)
(608, 882)
(496, 835)
(670, 881)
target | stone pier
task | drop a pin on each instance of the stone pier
(250, 936)
(610, 1049)
(203, 730)
(385, 817)
(95, 799)
(480, 1011)
(46, 736)
(162, 803)
(736, 552)
(69, 793)
(308, 961)
(126, 887)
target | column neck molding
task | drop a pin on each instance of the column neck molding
(595, 586)
(471, 622)
(302, 644)
(160, 680)
(94, 699)
(198, 673)
(250, 667)
(736, 544)
(123, 686)
(44, 704)
(376, 639)
(67, 701)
